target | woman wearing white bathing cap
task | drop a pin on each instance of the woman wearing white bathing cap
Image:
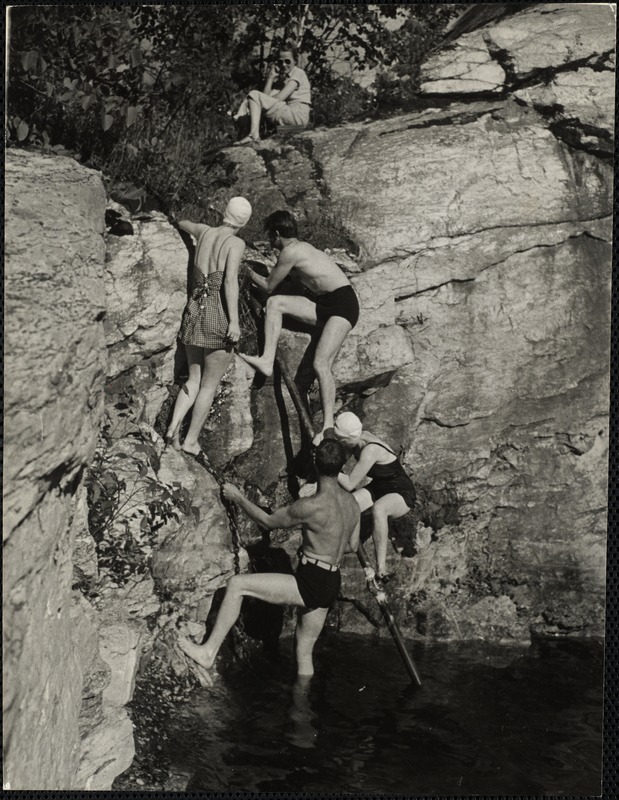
(390, 494)
(210, 326)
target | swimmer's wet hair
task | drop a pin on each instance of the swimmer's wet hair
(283, 223)
(330, 457)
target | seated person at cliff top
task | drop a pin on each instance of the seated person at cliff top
(334, 306)
(286, 97)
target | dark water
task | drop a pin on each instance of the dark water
(499, 720)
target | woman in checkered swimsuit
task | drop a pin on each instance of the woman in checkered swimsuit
(210, 325)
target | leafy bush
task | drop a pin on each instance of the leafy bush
(342, 100)
(142, 92)
(127, 503)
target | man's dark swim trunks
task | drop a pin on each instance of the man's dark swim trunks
(340, 302)
(318, 586)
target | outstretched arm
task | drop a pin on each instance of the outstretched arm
(287, 517)
(285, 263)
(359, 471)
(194, 228)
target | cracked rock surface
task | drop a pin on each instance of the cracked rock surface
(55, 372)
(481, 231)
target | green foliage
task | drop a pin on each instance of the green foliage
(127, 503)
(397, 89)
(142, 92)
(344, 101)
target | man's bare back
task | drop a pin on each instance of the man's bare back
(312, 267)
(328, 520)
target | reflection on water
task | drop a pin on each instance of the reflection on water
(487, 720)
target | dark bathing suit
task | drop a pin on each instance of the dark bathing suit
(340, 302)
(318, 586)
(389, 479)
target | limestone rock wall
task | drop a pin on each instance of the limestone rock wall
(477, 235)
(146, 289)
(481, 231)
(55, 370)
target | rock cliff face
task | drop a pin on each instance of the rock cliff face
(55, 371)
(481, 229)
(146, 289)
(477, 235)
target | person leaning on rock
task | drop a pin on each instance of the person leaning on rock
(334, 309)
(329, 523)
(390, 494)
(210, 325)
(286, 98)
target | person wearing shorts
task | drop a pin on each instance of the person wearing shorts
(333, 307)
(390, 494)
(329, 522)
(286, 98)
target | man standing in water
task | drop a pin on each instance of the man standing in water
(335, 308)
(330, 527)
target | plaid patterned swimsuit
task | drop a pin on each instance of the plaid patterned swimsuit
(205, 321)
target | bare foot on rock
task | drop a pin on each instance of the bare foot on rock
(258, 363)
(192, 449)
(204, 677)
(318, 438)
(172, 439)
(200, 654)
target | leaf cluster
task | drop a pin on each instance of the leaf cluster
(128, 505)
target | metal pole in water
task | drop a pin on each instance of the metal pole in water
(391, 623)
(379, 595)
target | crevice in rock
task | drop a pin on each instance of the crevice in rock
(569, 133)
(441, 424)
(402, 297)
(574, 220)
(544, 75)
(462, 118)
(57, 479)
(379, 381)
(580, 235)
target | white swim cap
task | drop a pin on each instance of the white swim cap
(238, 212)
(348, 425)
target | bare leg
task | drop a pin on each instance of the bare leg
(255, 112)
(363, 498)
(216, 362)
(386, 507)
(335, 331)
(271, 587)
(298, 307)
(309, 625)
(187, 393)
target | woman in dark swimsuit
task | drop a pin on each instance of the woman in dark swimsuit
(391, 493)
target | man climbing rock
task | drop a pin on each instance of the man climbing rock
(329, 523)
(334, 309)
